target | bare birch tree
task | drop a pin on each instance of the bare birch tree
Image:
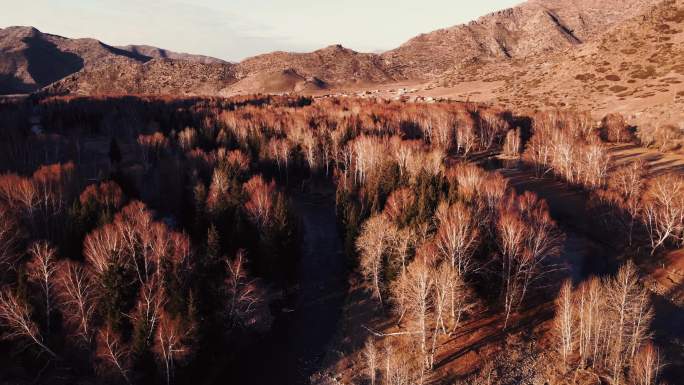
(370, 354)
(148, 309)
(42, 268)
(9, 237)
(527, 237)
(375, 240)
(16, 317)
(403, 362)
(625, 187)
(512, 231)
(419, 287)
(542, 241)
(171, 344)
(564, 321)
(112, 353)
(259, 206)
(606, 322)
(466, 137)
(590, 318)
(243, 293)
(646, 365)
(631, 315)
(405, 239)
(512, 143)
(664, 210)
(77, 298)
(457, 236)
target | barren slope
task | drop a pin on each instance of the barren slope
(531, 28)
(157, 76)
(276, 81)
(333, 64)
(534, 27)
(160, 53)
(30, 60)
(635, 69)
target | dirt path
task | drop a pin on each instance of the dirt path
(304, 327)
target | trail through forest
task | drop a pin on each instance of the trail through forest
(308, 320)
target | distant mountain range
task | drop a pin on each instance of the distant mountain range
(31, 61)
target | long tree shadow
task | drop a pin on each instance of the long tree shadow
(645, 156)
(573, 213)
(668, 326)
(471, 327)
(526, 322)
(304, 328)
(668, 168)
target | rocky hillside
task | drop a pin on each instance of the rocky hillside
(333, 64)
(153, 77)
(31, 60)
(534, 27)
(636, 69)
(160, 53)
(277, 72)
(275, 81)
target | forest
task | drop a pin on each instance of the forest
(152, 240)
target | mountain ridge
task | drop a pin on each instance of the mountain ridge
(532, 28)
(31, 60)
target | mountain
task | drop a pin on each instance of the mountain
(532, 28)
(31, 60)
(277, 72)
(160, 53)
(636, 68)
(275, 81)
(155, 76)
(333, 64)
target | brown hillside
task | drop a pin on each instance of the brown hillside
(160, 53)
(277, 81)
(157, 76)
(534, 27)
(334, 64)
(634, 69)
(30, 60)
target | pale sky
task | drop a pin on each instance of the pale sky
(235, 29)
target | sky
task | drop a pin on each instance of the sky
(235, 29)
